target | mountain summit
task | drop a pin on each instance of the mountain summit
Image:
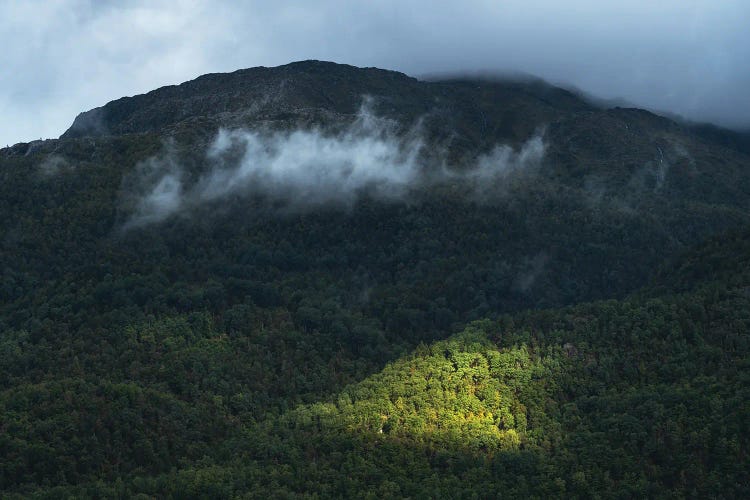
(315, 91)
(465, 116)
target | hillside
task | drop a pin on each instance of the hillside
(322, 279)
(639, 397)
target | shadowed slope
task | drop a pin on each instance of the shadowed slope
(640, 397)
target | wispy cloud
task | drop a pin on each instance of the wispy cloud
(307, 168)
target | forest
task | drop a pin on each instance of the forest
(574, 329)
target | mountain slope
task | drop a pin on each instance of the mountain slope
(640, 397)
(235, 284)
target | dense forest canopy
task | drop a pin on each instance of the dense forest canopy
(320, 280)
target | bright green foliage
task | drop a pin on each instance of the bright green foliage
(459, 392)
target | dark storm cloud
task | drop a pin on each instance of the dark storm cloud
(63, 56)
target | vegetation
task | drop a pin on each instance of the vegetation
(580, 331)
(640, 397)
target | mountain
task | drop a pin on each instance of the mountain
(318, 279)
(317, 92)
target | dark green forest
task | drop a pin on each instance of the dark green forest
(576, 330)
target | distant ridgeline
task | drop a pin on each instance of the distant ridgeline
(321, 280)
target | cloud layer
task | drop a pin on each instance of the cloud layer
(309, 168)
(61, 57)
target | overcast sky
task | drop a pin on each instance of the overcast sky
(61, 57)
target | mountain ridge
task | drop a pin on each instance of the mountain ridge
(92, 123)
(445, 289)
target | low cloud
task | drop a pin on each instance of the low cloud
(308, 168)
(535, 267)
(654, 174)
(504, 162)
(155, 188)
(53, 164)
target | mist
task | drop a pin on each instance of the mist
(309, 167)
(304, 169)
(53, 164)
